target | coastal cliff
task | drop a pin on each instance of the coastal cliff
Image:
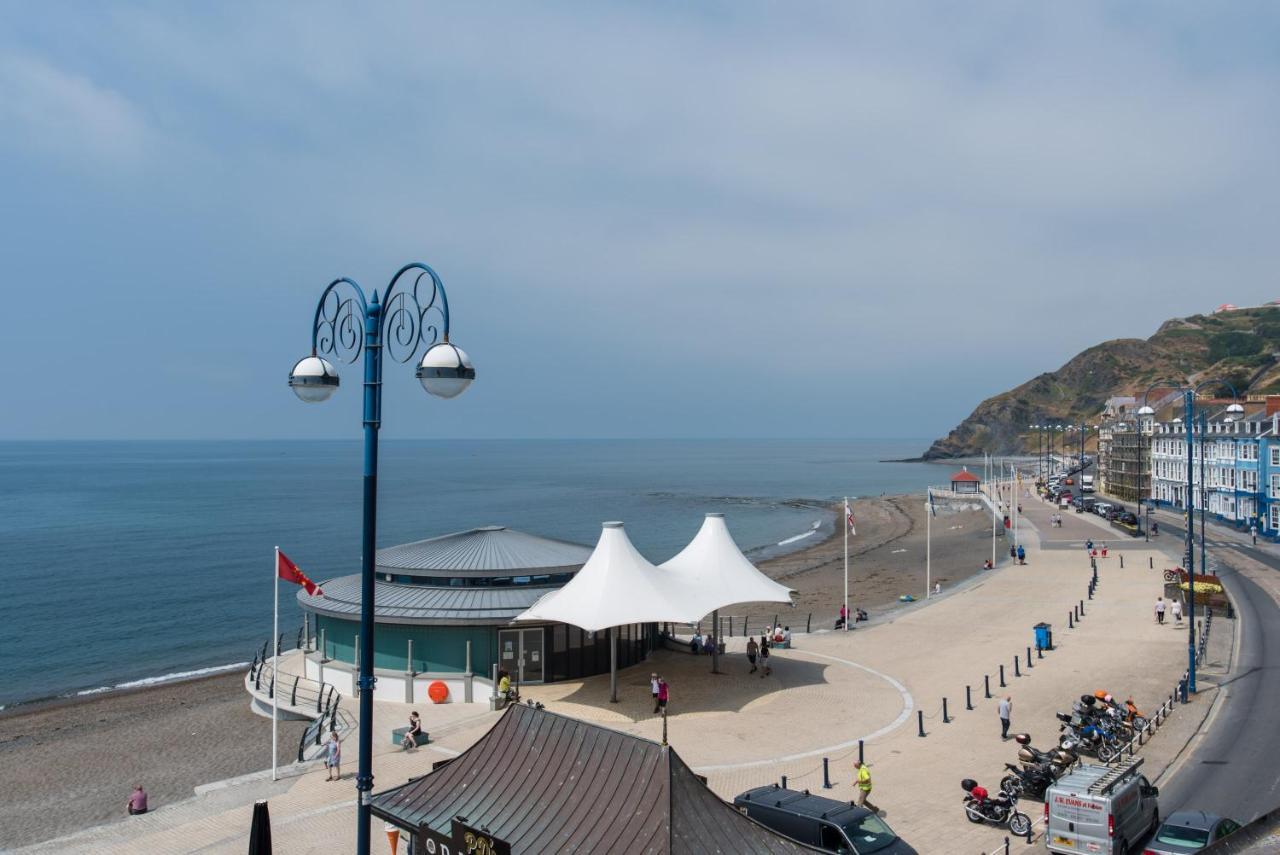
(1241, 346)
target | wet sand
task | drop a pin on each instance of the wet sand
(886, 560)
(69, 764)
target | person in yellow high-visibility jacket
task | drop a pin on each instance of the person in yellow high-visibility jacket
(864, 786)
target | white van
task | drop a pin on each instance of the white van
(1086, 483)
(1101, 809)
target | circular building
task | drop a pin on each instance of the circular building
(440, 599)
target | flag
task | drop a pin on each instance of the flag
(289, 572)
(932, 509)
(848, 516)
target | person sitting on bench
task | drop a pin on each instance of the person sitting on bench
(415, 730)
(504, 687)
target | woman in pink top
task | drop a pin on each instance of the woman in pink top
(138, 801)
(662, 694)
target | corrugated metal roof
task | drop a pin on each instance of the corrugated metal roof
(548, 783)
(414, 604)
(486, 551)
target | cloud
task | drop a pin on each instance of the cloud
(49, 112)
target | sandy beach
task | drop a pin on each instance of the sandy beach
(69, 764)
(172, 738)
(886, 560)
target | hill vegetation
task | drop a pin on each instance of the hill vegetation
(1241, 347)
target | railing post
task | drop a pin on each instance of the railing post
(731, 626)
(808, 623)
(986, 685)
(860, 759)
(1017, 671)
(1002, 682)
(946, 719)
(920, 720)
(293, 696)
(409, 673)
(1070, 623)
(968, 698)
(355, 668)
(784, 782)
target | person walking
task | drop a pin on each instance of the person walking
(844, 616)
(137, 801)
(1004, 709)
(864, 786)
(653, 688)
(333, 757)
(1176, 607)
(753, 650)
(765, 669)
(1160, 609)
(1022, 554)
(664, 694)
(1253, 532)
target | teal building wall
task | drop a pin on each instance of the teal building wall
(437, 649)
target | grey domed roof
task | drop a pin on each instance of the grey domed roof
(491, 550)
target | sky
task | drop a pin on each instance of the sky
(658, 219)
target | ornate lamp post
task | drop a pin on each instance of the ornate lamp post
(347, 326)
(1189, 426)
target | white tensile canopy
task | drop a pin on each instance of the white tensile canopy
(715, 572)
(616, 586)
(619, 586)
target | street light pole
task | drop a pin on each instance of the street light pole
(345, 328)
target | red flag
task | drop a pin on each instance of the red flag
(289, 571)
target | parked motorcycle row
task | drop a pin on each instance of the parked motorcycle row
(1097, 725)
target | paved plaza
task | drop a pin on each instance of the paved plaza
(829, 691)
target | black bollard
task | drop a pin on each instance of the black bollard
(968, 698)
(826, 775)
(986, 682)
(1029, 657)
(1151, 563)
(808, 623)
(1091, 592)
(860, 751)
(1002, 682)
(1121, 560)
(920, 720)
(784, 782)
(1017, 671)
(1070, 622)
(946, 719)
(1039, 651)
(1082, 607)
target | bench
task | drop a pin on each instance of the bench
(397, 736)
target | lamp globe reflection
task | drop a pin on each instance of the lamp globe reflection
(445, 370)
(313, 379)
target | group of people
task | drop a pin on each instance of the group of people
(1174, 606)
(661, 692)
(702, 643)
(1055, 520)
(759, 652)
(858, 616)
(1018, 553)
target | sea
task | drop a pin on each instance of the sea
(124, 564)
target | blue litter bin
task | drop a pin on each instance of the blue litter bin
(1044, 636)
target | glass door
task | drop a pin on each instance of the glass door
(509, 653)
(531, 656)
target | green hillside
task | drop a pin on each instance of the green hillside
(1241, 347)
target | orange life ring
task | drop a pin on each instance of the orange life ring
(438, 692)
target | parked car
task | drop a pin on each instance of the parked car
(1102, 508)
(1187, 831)
(1127, 518)
(1087, 503)
(1100, 809)
(825, 823)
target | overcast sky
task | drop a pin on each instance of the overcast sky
(659, 219)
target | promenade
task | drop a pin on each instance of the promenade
(832, 689)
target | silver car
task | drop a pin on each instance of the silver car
(1189, 831)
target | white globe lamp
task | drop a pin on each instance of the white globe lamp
(445, 370)
(313, 379)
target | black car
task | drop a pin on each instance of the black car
(827, 824)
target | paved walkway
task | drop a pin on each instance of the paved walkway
(832, 689)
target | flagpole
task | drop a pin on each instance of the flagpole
(846, 563)
(928, 544)
(275, 663)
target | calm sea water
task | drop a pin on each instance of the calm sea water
(129, 561)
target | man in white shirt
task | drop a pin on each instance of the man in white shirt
(1160, 610)
(1004, 709)
(1177, 611)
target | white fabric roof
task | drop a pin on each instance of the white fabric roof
(616, 586)
(717, 574)
(619, 586)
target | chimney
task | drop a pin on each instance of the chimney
(1273, 404)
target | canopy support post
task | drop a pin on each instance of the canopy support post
(613, 665)
(715, 648)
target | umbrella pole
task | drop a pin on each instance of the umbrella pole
(613, 665)
(715, 648)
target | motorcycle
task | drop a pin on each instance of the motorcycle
(1028, 781)
(980, 807)
(1089, 739)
